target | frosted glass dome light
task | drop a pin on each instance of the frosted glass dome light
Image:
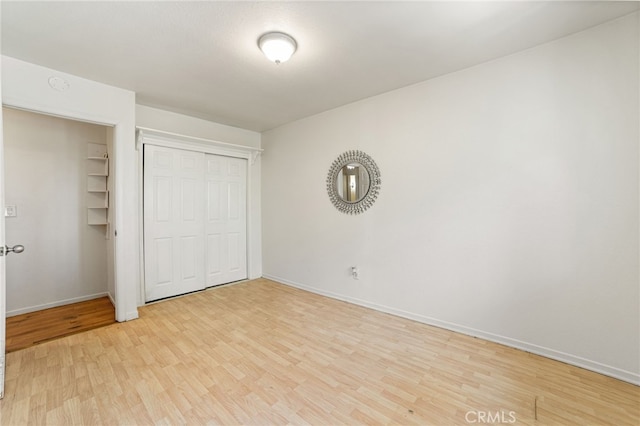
(277, 47)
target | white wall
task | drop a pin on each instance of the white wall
(166, 121)
(508, 206)
(65, 260)
(26, 86)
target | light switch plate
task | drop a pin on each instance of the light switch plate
(10, 211)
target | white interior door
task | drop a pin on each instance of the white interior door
(173, 221)
(3, 284)
(226, 222)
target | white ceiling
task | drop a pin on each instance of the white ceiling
(201, 58)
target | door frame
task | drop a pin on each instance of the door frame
(120, 308)
(29, 87)
(147, 136)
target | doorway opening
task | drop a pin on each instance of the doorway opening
(58, 206)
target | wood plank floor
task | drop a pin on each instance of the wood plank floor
(264, 353)
(41, 326)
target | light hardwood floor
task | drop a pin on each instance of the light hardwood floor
(37, 327)
(264, 353)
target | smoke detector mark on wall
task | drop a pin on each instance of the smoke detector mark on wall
(59, 83)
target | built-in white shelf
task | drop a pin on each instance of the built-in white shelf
(97, 192)
(97, 216)
(97, 166)
(96, 183)
(98, 200)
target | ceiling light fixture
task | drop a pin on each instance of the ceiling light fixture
(277, 47)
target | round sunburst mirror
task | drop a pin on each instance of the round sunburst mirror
(353, 182)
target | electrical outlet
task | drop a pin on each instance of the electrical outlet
(10, 211)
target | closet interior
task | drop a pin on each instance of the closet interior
(58, 181)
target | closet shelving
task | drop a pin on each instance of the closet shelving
(97, 192)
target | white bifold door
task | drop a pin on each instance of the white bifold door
(194, 221)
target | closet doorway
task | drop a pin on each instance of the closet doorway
(195, 220)
(57, 198)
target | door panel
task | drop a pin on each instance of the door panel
(188, 202)
(162, 191)
(234, 201)
(164, 264)
(174, 222)
(188, 251)
(226, 180)
(3, 286)
(162, 160)
(234, 247)
(213, 254)
(214, 202)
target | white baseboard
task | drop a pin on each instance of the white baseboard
(577, 361)
(55, 304)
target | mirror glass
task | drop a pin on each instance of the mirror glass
(352, 182)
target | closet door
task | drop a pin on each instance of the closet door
(226, 222)
(173, 222)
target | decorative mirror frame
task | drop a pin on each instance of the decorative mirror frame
(374, 182)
